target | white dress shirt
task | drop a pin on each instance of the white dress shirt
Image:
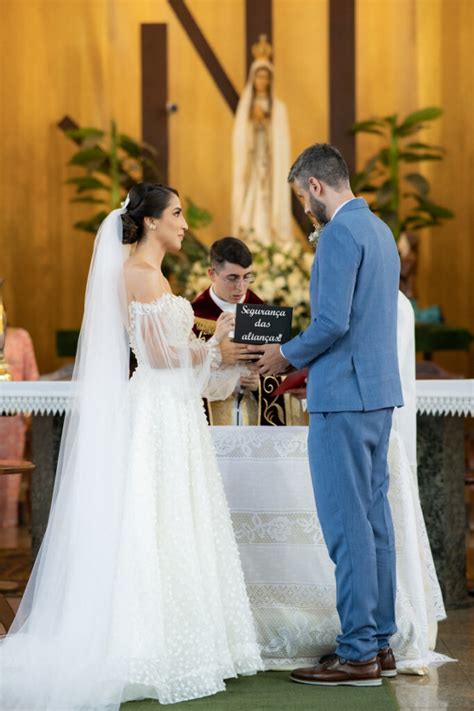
(224, 305)
(339, 207)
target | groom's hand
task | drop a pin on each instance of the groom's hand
(271, 361)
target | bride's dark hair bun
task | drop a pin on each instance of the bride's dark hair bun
(145, 200)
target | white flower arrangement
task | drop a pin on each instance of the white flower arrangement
(281, 277)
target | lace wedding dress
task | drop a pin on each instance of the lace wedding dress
(138, 591)
(192, 625)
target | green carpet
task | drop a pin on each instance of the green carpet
(272, 690)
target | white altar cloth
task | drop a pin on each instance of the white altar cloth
(290, 578)
(445, 397)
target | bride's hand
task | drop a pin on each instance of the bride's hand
(224, 324)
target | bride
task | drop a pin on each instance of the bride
(137, 591)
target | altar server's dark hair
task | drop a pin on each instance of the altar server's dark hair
(146, 200)
(232, 250)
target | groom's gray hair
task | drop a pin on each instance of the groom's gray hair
(321, 161)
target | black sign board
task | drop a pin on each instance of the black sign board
(256, 324)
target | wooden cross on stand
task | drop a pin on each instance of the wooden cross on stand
(154, 57)
(258, 15)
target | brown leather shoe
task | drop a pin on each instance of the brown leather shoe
(387, 662)
(340, 672)
(385, 656)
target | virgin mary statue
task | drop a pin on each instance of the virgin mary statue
(261, 206)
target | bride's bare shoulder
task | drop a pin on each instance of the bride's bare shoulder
(143, 281)
(137, 265)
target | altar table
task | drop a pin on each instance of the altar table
(288, 572)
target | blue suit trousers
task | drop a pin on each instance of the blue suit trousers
(348, 460)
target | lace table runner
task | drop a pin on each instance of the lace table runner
(48, 397)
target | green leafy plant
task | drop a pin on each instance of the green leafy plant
(111, 163)
(401, 198)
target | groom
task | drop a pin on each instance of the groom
(350, 349)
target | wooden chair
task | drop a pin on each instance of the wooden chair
(9, 466)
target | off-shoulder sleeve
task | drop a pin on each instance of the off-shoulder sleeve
(162, 339)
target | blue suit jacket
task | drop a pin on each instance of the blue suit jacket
(350, 347)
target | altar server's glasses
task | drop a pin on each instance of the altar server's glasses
(235, 278)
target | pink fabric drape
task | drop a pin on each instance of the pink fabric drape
(20, 355)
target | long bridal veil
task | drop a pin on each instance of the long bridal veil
(417, 564)
(404, 419)
(53, 657)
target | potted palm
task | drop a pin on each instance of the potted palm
(399, 194)
(401, 197)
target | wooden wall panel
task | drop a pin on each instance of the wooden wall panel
(201, 130)
(450, 279)
(81, 57)
(301, 49)
(300, 39)
(411, 54)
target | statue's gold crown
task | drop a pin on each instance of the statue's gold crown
(262, 49)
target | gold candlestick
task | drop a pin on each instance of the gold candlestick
(5, 372)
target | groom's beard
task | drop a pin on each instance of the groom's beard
(318, 209)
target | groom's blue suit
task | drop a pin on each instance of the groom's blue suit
(350, 349)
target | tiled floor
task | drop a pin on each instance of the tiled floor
(449, 687)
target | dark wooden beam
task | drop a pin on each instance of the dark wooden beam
(258, 21)
(342, 78)
(203, 48)
(154, 65)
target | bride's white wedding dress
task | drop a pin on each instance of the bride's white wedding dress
(191, 622)
(162, 612)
